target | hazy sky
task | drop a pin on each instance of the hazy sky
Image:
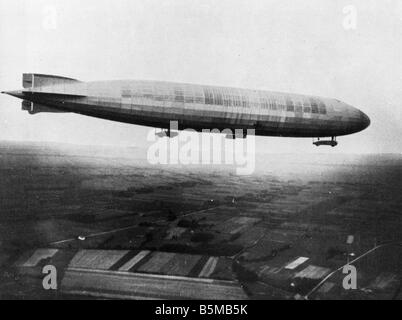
(311, 47)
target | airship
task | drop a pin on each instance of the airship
(198, 107)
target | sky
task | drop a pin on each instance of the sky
(348, 50)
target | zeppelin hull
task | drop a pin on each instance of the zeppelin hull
(264, 125)
(197, 107)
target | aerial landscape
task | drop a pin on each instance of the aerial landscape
(181, 232)
(201, 151)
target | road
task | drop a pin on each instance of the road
(103, 233)
(312, 291)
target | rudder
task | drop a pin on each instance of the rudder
(34, 80)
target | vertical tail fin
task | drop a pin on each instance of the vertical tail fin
(34, 80)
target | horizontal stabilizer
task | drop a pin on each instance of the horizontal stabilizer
(35, 80)
(34, 108)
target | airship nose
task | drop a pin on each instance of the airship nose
(357, 120)
(364, 120)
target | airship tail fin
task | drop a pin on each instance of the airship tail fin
(34, 80)
(34, 108)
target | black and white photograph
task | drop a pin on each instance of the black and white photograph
(223, 151)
